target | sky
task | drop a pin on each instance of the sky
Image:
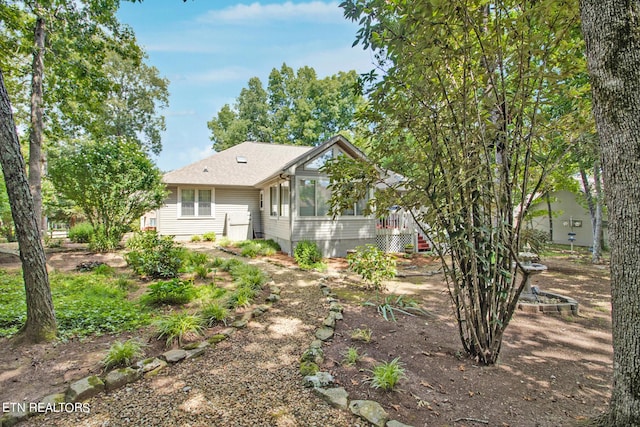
(209, 49)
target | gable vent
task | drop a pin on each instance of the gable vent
(241, 159)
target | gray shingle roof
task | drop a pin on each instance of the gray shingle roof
(224, 169)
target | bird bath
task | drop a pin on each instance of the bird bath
(532, 300)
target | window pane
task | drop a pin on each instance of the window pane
(204, 202)
(188, 203)
(324, 194)
(273, 196)
(307, 191)
(319, 161)
(360, 206)
(284, 199)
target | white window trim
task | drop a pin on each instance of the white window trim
(196, 216)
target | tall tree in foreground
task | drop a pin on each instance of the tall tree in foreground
(611, 31)
(41, 320)
(462, 112)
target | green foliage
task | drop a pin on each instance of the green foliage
(253, 248)
(214, 313)
(154, 256)
(387, 374)
(249, 249)
(122, 354)
(178, 327)
(360, 334)
(174, 291)
(113, 182)
(241, 297)
(248, 275)
(352, 356)
(101, 242)
(537, 240)
(196, 238)
(209, 236)
(307, 255)
(400, 303)
(373, 265)
(104, 270)
(202, 271)
(296, 108)
(81, 233)
(308, 368)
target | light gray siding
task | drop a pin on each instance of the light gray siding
(225, 200)
(335, 237)
(568, 214)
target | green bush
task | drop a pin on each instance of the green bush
(248, 275)
(241, 297)
(174, 291)
(101, 242)
(81, 232)
(214, 313)
(155, 256)
(178, 326)
(307, 254)
(122, 354)
(372, 264)
(387, 374)
(250, 249)
(209, 236)
(196, 238)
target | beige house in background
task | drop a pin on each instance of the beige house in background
(263, 190)
(569, 216)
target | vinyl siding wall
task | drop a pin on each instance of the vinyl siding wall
(225, 200)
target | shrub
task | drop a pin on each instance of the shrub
(196, 238)
(248, 275)
(104, 270)
(101, 242)
(225, 242)
(250, 249)
(537, 240)
(81, 232)
(214, 313)
(174, 291)
(307, 254)
(122, 354)
(202, 271)
(209, 236)
(387, 374)
(241, 297)
(361, 335)
(154, 256)
(351, 356)
(179, 326)
(372, 265)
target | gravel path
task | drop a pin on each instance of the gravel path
(251, 379)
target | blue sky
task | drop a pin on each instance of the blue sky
(210, 49)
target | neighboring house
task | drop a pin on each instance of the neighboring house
(264, 190)
(569, 216)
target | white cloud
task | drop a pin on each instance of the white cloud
(194, 154)
(313, 11)
(329, 62)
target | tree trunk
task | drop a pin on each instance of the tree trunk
(35, 135)
(41, 321)
(610, 28)
(597, 223)
(549, 215)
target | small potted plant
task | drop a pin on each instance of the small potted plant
(408, 248)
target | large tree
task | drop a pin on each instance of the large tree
(296, 108)
(41, 321)
(112, 181)
(611, 30)
(461, 109)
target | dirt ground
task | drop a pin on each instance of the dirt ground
(553, 370)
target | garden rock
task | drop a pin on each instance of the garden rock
(319, 380)
(240, 324)
(151, 367)
(174, 356)
(325, 333)
(198, 350)
(120, 377)
(394, 423)
(369, 410)
(334, 306)
(336, 397)
(84, 389)
(313, 354)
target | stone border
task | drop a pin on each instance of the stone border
(566, 306)
(322, 382)
(91, 386)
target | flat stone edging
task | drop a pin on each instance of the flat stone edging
(88, 387)
(322, 382)
(567, 306)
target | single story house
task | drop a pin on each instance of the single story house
(264, 190)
